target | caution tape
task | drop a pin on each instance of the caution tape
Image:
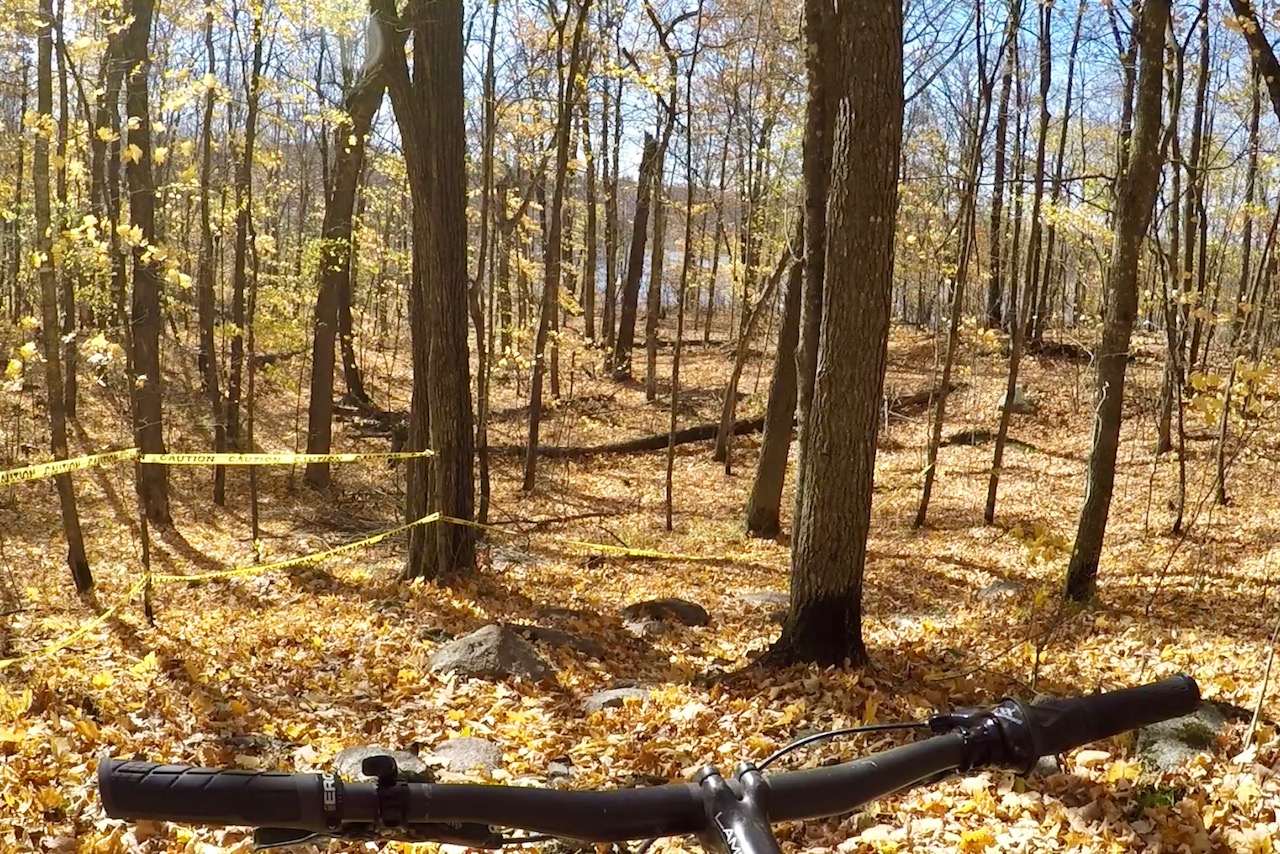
(63, 643)
(287, 459)
(624, 550)
(317, 557)
(57, 467)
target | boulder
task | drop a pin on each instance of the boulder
(1168, 744)
(467, 755)
(493, 652)
(1000, 590)
(557, 637)
(614, 698)
(1022, 403)
(669, 610)
(767, 597)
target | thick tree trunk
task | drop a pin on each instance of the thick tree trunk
(764, 508)
(148, 425)
(1133, 215)
(824, 622)
(360, 104)
(429, 111)
(635, 262)
(77, 560)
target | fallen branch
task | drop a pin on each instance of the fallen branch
(656, 442)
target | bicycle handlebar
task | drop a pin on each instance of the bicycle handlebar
(1009, 735)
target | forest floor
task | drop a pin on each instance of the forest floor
(285, 669)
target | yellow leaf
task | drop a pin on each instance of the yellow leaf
(102, 680)
(978, 839)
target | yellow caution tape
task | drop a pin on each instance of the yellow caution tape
(297, 561)
(65, 642)
(583, 544)
(43, 470)
(287, 459)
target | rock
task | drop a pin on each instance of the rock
(646, 628)
(1168, 744)
(559, 771)
(466, 755)
(767, 597)
(494, 652)
(505, 558)
(349, 764)
(1000, 590)
(556, 637)
(1092, 758)
(558, 613)
(1047, 766)
(668, 609)
(1022, 404)
(614, 698)
(435, 634)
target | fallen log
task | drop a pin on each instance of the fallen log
(656, 442)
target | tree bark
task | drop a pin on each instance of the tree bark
(1133, 215)
(77, 560)
(148, 421)
(824, 622)
(239, 270)
(995, 284)
(764, 508)
(360, 105)
(554, 244)
(635, 262)
(428, 107)
(205, 303)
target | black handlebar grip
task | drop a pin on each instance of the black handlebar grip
(146, 790)
(1060, 725)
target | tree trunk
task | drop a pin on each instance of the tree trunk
(208, 353)
(148, 422)
(554, 243)
(1133, 215)
(239, 270)
(590, 238)
(77, 560)
(69, 316)
(657, 263)
(995, 284)
(1055, 192)
(824, 622)
(635, 262)
(609, 146)
(361, 105)
(764, 508)
(819, 118)
(428, 106)
(721, 452)
(968, 241)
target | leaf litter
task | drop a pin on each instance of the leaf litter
(285, 670)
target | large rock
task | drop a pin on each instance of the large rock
(1168, 744)
(557, 637)
(778, 598)
(467, 755)
(494, 652)
(668, 610)
(614, 698)
(1022, 403)
(1000, 590)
